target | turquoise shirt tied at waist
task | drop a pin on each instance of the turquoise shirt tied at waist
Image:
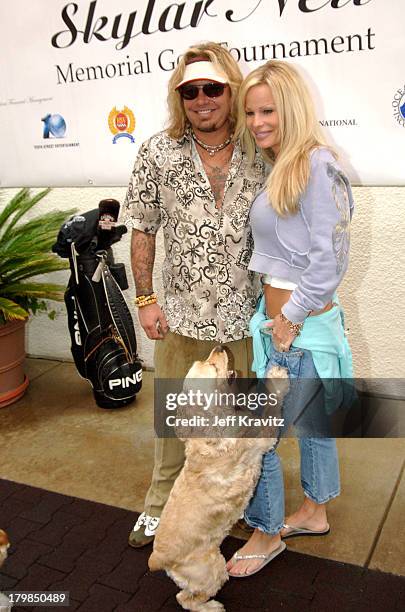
(325, 337)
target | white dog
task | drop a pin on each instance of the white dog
(208, 497)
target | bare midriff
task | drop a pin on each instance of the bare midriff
(276, 298)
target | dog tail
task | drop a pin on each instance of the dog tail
(155, 562)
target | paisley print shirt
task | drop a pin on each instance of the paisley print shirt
(209, 292)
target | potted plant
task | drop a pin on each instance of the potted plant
(25, 252)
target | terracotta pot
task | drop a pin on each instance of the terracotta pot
(13, 382)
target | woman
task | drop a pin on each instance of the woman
(300, 226)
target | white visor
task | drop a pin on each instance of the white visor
(206, 71)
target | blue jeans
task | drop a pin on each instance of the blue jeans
(303, 410)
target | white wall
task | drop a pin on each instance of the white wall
(372, 294)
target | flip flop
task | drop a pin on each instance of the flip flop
(301, 531)
(243, 526)
(266, 560)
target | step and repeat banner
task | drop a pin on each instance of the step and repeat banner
(84, 83)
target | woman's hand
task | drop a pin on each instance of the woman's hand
(282, 335)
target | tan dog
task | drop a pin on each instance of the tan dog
(208, 497)
(4, 545)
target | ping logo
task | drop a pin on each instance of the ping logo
(126, 381)
(76, 328)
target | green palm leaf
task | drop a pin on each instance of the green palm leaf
(32, 267)
(49, 291)
(13, 205)
(24, 205)
(25, 252)
(10, 310)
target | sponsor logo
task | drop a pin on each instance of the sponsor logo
(338, 122)
(54, 126)
(398, 105)
(126, 381)
(54, 130)
(121, 123)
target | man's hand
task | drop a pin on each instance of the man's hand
(153, 321)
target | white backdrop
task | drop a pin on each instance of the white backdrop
(84, 83)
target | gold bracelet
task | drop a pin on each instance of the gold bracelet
(140, 298)
(145, 300)
(146, 303)
(295, 328)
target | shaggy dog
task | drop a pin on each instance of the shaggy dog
(208, 497)
(4, 545)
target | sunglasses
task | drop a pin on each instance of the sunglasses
(211, 90)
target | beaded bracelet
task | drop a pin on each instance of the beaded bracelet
(295, 328)
(145, 300)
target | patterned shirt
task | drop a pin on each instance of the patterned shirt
(209, 292)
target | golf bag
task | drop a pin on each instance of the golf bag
(100, 324)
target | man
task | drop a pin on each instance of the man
(194, 181)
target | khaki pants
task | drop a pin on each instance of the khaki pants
(173, 358)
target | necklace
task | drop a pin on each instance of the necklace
(212, 149)
(217, 164)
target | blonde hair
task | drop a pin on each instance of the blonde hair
(223, 60)
(299, 133)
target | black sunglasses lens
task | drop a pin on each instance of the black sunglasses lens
(189, 92)
(213, 90)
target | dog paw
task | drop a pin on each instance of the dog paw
(277, 372)
(214, 606)
(190, 602)
(278, 378)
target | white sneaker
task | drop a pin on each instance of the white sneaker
(153, 524)
(144, 530)
(143, 519)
